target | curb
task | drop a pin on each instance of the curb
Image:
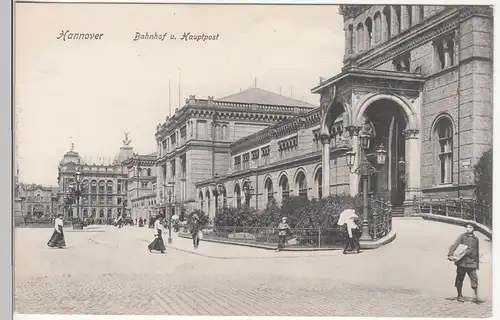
(457, 221)
(368, 245)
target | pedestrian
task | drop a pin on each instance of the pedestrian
(283, 231)
(57, 239)
(195, 230)
(352, 236)
(141, 222)
(467, 263)
(157, 243)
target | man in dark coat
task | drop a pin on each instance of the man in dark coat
(468, 264)
(195, 229)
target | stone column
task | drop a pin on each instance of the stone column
(394, 22)
(405, 18)
(354, 177)
(383, 28)
(414, 15)
(412, 146)
(325, 140)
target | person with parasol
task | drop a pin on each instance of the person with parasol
(348, 217)
(57, 239)
(157, 243)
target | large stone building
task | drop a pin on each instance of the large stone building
(193, 144)
(417, 78)
(141, 185)
(103, 186)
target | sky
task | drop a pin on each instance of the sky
(92, 91)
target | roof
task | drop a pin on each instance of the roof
(126, 152)
(260, 96)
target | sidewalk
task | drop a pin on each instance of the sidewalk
(227, 251)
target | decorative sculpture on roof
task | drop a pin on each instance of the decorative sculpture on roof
(72, 144)
(126, 141)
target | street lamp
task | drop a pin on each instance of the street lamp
(76, 194)
(365, 169)
(138, 183)
(169, 189)
(217, 190)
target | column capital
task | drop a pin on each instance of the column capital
(325, 138)
(353, 130)
(411, 133)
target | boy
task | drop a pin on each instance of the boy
(469, 263)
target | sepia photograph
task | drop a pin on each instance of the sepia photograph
(330, 160)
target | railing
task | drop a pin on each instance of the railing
(299, 237)
(467, 209)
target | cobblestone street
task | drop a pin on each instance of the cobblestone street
(110, 271)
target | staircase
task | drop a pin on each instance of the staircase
(398, 211)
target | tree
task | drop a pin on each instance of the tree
(483, 173)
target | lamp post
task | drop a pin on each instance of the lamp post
(76, 194)
(365, 169)
(169, 189)
(247, 190)
(138, 183)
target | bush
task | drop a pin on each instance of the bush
(301, 213)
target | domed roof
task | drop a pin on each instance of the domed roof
(71, 157)
(126, 151)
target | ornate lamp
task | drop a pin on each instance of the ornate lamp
(78, 176)
(402, 169)
(350, 157)
(381, 154)
(364, 140)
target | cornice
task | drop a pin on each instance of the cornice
(223, 110)
(290, 126)
(433, 27)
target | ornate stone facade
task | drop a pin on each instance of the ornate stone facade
(419, 76)
(103, 186)
(141, 185)
(37, 200)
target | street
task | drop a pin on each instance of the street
(110, 271)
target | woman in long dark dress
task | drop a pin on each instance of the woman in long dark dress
(157, 243)
(57, 239)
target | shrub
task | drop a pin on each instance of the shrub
(483, 173)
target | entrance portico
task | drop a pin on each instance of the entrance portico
(388, 105)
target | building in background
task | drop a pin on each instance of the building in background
(103, 186)
(37, 201)
(141, 186)
(193, 144)
(418, 77)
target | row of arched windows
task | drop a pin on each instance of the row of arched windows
(95, 186)
(385, 24)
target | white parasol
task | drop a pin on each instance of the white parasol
(345, 216)
(175, 217)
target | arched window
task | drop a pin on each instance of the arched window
(386, 32)
(101, 186)
(359, 37)
(110, 213)
(149, 172)
(318, 182)
(93, 187)
(207, 195)
(369, 33)
(38, 198)
(247, 190)
(269, 189)
(377, 30)
(237, 195)
(444, 132)
(85, 212)
(224, 133)
(200, 199)
(101, 213)
(285, 188)
(84, 188)
(110, 187)
(301, 184)
(93, 213)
